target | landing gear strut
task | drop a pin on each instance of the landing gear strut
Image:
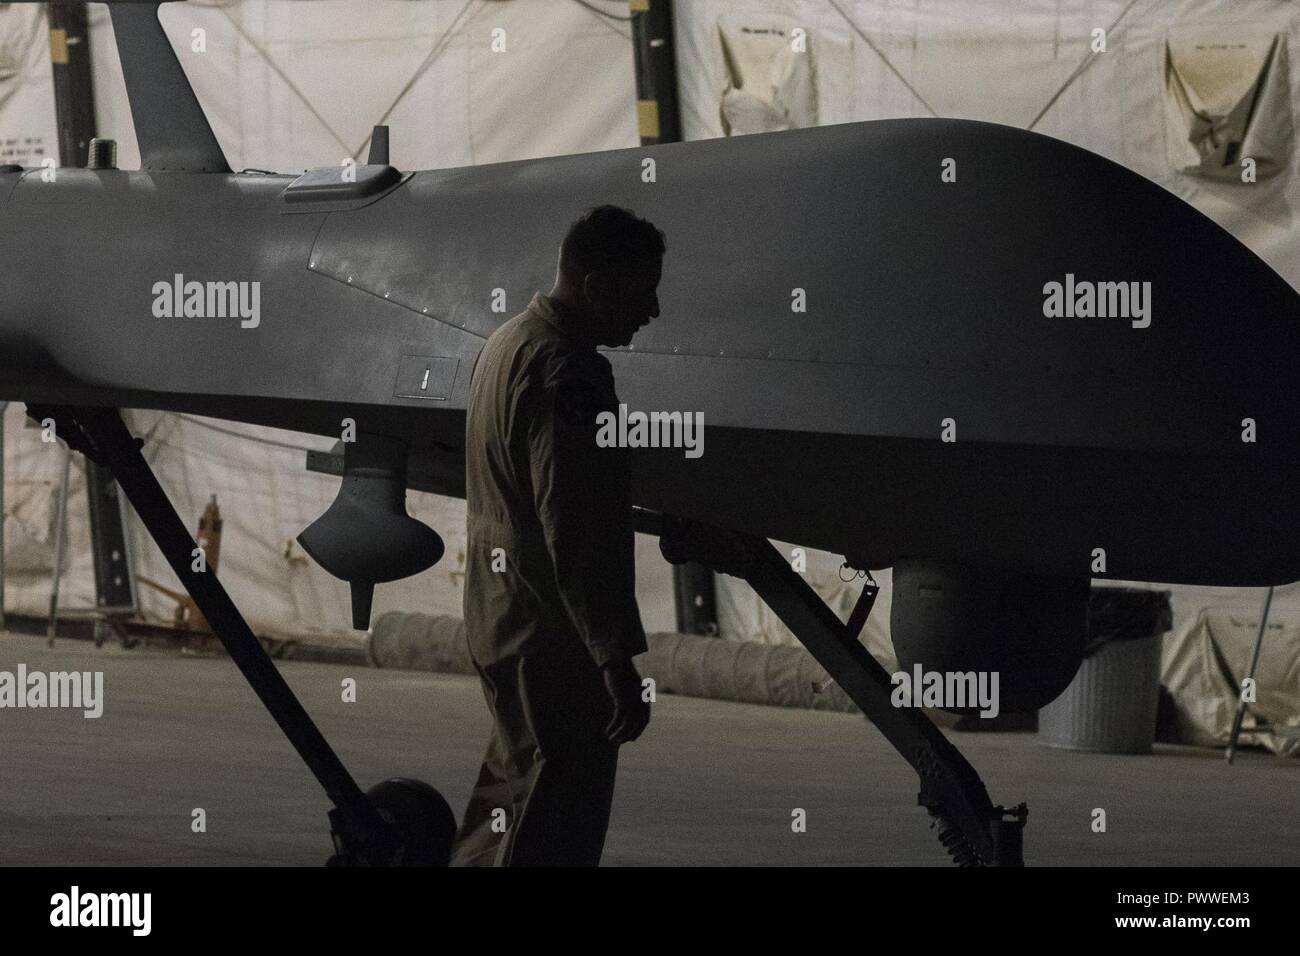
(971, 828)
(399, 822)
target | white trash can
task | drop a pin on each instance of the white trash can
(1110, 706)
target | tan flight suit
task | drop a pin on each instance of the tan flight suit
(556, 601)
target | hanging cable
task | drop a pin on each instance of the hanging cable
(1078, 71)
(875, 49)
(419, 72)
(293, 88)
(603, 13)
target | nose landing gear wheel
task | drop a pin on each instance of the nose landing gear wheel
(421, 818)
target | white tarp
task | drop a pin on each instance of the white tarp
(289, 84)
(28, 133)
(1227, 100)
(770, 83)
(1203, 671)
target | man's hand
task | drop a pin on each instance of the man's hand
(631, 713)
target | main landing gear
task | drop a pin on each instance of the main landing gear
(970, 827)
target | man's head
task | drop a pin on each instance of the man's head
(610, 265)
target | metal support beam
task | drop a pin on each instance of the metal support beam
(3, 407)
(74, 97)
(74, 105)
(658, 116)
(694, 598)
(659, 121)
(114, 582)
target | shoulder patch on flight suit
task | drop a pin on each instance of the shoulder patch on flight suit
(576, 402)
(580, 386)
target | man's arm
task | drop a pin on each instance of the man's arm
(578, 491)
(579, 499)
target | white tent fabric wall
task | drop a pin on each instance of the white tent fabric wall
(28, 134)
(289, 84)
(1203, 665)
(33, 471)
(743, 616)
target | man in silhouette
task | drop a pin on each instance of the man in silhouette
(550, 602)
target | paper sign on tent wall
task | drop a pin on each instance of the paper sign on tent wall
(1226, 100)
(770, 82)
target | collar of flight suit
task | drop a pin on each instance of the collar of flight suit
(560, 316)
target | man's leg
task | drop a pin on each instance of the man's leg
(481, 832)
(476, 840)
(571, 766)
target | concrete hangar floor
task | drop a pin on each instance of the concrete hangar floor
(711, 783)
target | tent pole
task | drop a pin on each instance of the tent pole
(1254, 660)
(3, 408)
(60, 534)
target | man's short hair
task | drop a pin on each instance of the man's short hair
(609, 238)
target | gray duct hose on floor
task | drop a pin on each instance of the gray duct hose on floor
(687, 664)
(420, 642)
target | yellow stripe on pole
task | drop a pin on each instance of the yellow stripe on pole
(647, 118)
(59, 47)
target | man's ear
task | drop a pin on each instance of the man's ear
(597, 286)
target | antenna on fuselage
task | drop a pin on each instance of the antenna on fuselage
(378, 147)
